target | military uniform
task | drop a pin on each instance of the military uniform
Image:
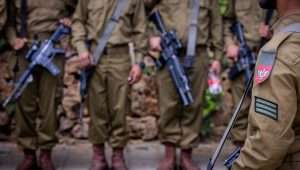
(108, 101)
(273, 130)
(43, 95)
(2, 13)
(42, 21)
(178, 125)
(250, 15)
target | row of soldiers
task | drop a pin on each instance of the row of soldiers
(267, 133)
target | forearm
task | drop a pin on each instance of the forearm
(79, 31)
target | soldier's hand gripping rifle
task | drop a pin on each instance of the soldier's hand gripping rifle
(170, 45)
(246, 60)
(40, 54)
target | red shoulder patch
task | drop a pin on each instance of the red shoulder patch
(262, 73)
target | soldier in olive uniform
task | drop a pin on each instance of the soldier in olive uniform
(179, 126)
(2, 13)
(108, 86)
(251, 16)
(274, 120)
(43, 95)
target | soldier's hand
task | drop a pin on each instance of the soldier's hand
(154, 43)
(66, 21)
(19, 43)
(135, 74)
(216, 67)
(85, 60)
(265, 31)
(233, 52)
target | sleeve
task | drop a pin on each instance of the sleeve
(272, 114)
(79, 32)
(11, 30)
(229, 17)
(139, 30)
(217, 29)
(2, 13)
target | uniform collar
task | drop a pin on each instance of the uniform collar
(286, 20)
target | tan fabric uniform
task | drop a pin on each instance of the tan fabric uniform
(108, 101)
(273, 144)
(43, 95)
(2, 13)
(178, 125)
(250, 15)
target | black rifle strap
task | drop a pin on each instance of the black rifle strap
(268, 18)
(110, 26)
(233, 119)
(192, 37)
(269, 15)
(23, 30)
(23, 17)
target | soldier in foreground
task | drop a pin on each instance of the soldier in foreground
(108, 86)
(36, 20)
(273, 131)
(180, 126)
(251, 16)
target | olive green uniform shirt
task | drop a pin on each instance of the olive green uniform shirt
(176, 15)
(43, 17)
(274, 119)
(89, 22)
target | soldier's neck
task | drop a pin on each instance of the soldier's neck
(288, 8)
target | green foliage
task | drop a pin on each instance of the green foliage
(212, 104)
(223, 6)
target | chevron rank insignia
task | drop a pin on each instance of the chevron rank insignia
(266, 108)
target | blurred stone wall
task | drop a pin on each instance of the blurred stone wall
(5, 89)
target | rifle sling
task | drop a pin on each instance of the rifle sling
(110, 26)
(192, 37)
(24, 15)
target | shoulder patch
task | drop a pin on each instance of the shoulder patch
(266, 108)
(264, 66)
(267, 57)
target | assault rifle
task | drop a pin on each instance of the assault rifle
(169, 57)
(40, 54)
(246, 60)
